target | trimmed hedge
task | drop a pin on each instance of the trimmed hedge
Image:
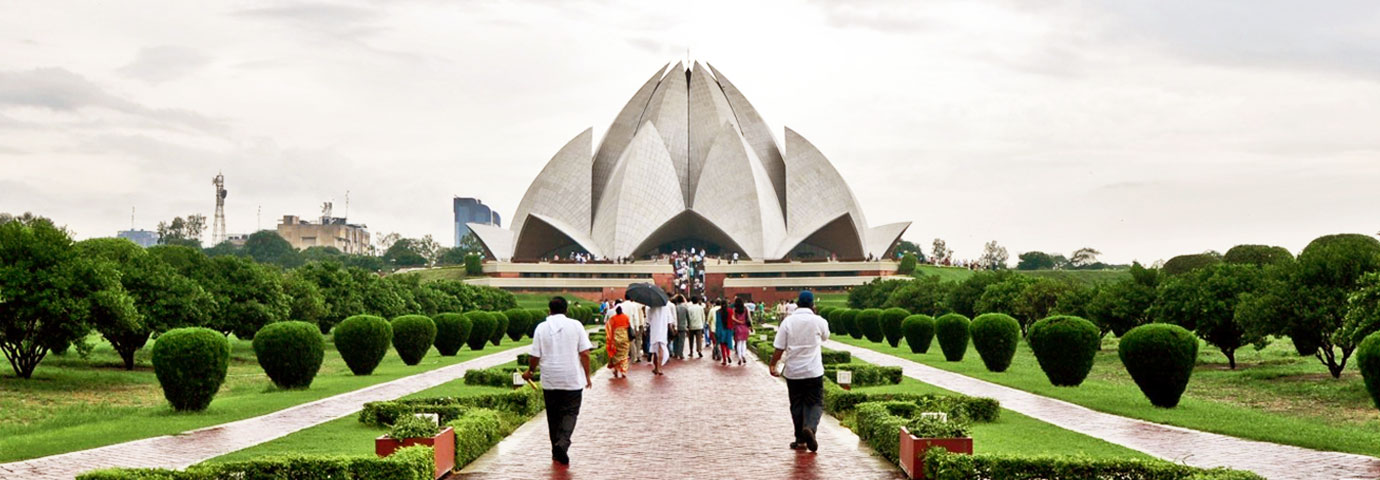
(1368, 361)
(870, 322)
(824, 312)
(476, 431)
(891, 324)
(879, 426)
(290, 353)
(959, 407)
(410, 463)
(482, 327)
(995, 336)
(832, 357)
(523, 402)
(534, 317)
(941, 465)
(865, 375)
(835, 320)
(452, 329)
(952, 332)
(919, 332)
(500, 328)
(1160, 358)
(501, 377)
(848, 319)
(190, 364)
(413, 336)
(517, 323)
(1065, 347)
(363, 341)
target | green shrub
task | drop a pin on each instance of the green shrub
(907, 265)
(476, 431)
(995, 336)
(534, 317)
(880, 427)
(501, 377)
(958, 407)
(474, 265)
(522, 402)
(865, 375)
(413, 336)
(849, 321)
(412, 426)
(1160, 358)
(290, 353)
(824, 312)
(891, 324)
(952, 332)
(363, 341)
(410, 463)
(190, 364)
(517, 323)
(919, 332)
(452, 329)
(930, 427)
(482, 327)
(1065, 347)
(835, 319)
(500, 328)
(1368, 361)
(870, 322)
(835, 356)
(941, 465)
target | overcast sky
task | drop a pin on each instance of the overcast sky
(1143, 131)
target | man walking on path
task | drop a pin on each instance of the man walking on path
(682, 327)
(638, 320)
(560, 346)
(661, 322)
(695, 326)
(799, 342)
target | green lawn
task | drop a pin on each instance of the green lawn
(1274, 396)
(539, 300)
(1014, 433)
(456, 272)
(73, 404)
(958, 274)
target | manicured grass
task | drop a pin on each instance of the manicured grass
(539, 300)
(73, 403)
(1274, 396)
(958, 274)
(1014, 433)
(455, 272)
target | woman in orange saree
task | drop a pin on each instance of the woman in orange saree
(616, 332)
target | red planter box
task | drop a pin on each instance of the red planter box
(913, 450)
(443, 445)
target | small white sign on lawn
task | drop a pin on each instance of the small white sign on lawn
(843, 377)
(943, 417)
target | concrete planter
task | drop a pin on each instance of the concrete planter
(443, 446)
(913, 450)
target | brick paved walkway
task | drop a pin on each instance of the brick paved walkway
(179, 451)
(1274, 461)
(700, 420)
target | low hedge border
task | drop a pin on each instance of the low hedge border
(830, 357)
(476, 431)
(411, 463)
(501, 377)
(865, 375)
(974, 409)
(523, 402)
(941, 465)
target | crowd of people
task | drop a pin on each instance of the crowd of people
(681, 330)
(689, 269)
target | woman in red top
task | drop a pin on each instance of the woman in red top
(616, 330)
(741, 319)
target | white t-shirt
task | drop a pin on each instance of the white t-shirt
(558, 342)
(801, 336)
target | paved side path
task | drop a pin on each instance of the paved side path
(181, 450)
(699, 421)
(1192, 447)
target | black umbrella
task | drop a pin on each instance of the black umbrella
(647, 294)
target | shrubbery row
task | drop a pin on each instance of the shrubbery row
(411, 463)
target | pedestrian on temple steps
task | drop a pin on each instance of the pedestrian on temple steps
(560, 347)
(799, 342)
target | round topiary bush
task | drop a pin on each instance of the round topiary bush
(517, 323)
(824, 312)
(952, 332)
(1368, 361)
(919, 332)
(534, 317)
(413, 336)
(995, 336)
(1160, 358)
(190, 364)
(363, 341)
(452, 329)
(870, 322)
(500, 327)
(907, 265)
(891, 324)
(835, 319)
(481, 328)
(849, 321)
(1065, 346)
(290, 352)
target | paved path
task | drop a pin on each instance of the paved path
(179, 451)
(1202, 449)
(700, 420)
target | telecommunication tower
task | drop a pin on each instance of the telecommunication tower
(218, 226)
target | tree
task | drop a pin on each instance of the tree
(406, 252)
(181, 231)
(908, 247)
(922, 295)
(321, 254)
(428, 248)
(266, 246)
(993, 256)
(223, 248)
(1003, 296)
(872, 294)
(1205, 301)
(160, 298)
(1035, 261)
(1186, 263)
(963, 296)
(451, 256)
(1121, 306)
(49, 294)
(306, 303)
(340, 289)
(1258, 255)
(249, 296)
(1084, 257)
(941, 251)
(1363, 308)
(384, 242)
(1039, 299)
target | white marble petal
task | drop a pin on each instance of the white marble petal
(815, 192)
(735, 195)
(497, 240)
(620, 133)
(669, 111)
(881, 238)
(709, 110)
(757, 134)
(559, 191)
(643, 193)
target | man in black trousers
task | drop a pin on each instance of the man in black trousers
(560, 346)
(799, 341)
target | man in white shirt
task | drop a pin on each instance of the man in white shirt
(560, 347)
(637, 319)
(799, 342)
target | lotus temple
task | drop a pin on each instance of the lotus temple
(688, 163)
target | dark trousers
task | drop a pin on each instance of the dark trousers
(562, 406)
(696, 337)
(807, 403)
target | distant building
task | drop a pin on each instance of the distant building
(237, 239)
(331, 232)
(472, 210)
(143, 238)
